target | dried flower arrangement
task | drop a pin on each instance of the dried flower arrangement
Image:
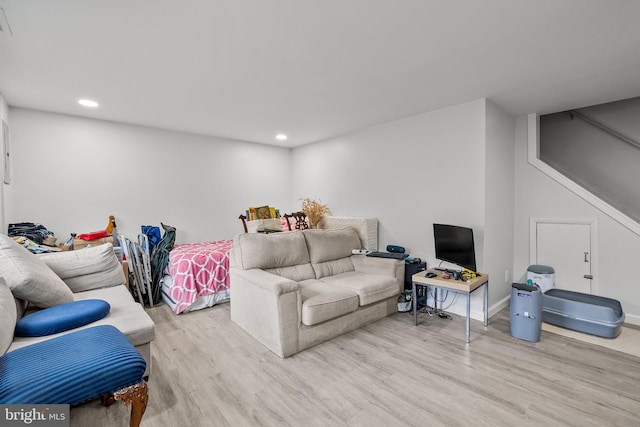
(314, 210)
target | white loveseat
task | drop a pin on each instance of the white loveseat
(294, 290)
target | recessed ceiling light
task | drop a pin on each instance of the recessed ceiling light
(281, 137)
(88, 103)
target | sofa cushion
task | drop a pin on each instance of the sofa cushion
(125, 314)
(265, 251)
(62, 318)
(321, 301)
(367, 228)
(331, 268)
(21, 307)
(88, 268)
(294, 272)
(328, 245)
(8, 316)
(369, 287)
(29, 278)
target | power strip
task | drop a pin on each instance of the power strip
(360, 251)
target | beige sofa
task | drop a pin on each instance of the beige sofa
(32, 282)
(294, 290)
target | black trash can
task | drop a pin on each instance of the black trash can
(526, 312)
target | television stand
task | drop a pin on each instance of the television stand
(464, 287)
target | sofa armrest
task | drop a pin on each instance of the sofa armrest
(272, 283)
(381, 266)
(268, 307)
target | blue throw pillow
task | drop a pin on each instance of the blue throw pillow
(62, 318)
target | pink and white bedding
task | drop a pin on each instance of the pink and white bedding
(198, 270)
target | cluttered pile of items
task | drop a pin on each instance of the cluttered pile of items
(263, 219)
(144, 259)
(38, 239)
(35, 237)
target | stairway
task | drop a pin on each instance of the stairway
(597, 148)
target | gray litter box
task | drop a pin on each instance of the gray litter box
(586, 313)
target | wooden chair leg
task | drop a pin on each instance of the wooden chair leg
(107, 399)
(288, 223)
(137, 395)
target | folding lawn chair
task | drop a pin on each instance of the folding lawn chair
(130, 253)
(143, 247)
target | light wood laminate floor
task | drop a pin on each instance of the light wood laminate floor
(209, 372)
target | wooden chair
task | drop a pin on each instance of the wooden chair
(244, 222)
(301, 220)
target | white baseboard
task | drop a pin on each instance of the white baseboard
(493, 309)
(632, 319)
(504, 302)
(459, 308)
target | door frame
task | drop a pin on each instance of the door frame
(593, 227)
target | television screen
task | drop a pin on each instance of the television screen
(454, 244)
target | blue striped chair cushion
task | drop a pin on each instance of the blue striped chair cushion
(62, 317)
(70, 369)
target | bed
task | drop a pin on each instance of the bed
(197, 276)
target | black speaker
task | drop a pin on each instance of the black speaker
(395, 249)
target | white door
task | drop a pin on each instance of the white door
(567, 248)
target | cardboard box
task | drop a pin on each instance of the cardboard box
(125, 270)
(49, 241)
(80, 244)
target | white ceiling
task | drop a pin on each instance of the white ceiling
(248, 69)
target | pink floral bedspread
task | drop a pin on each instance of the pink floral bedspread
(198, 269)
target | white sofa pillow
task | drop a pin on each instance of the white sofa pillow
(29, 278)
(329, 245)
(89, 268)
(8, 316)
(267, 251)
(367, 228)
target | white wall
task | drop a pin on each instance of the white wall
(71, 173)
(408, 174)
(451, 165)
(498, 203)
(539, 196)
(454, 165)
(416, 171)
(4, 115)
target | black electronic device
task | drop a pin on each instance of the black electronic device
(430, 275)
(387, 255)
(395, 249)
(454, 244)
(411, 268)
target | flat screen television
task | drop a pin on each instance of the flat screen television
(454, 244)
